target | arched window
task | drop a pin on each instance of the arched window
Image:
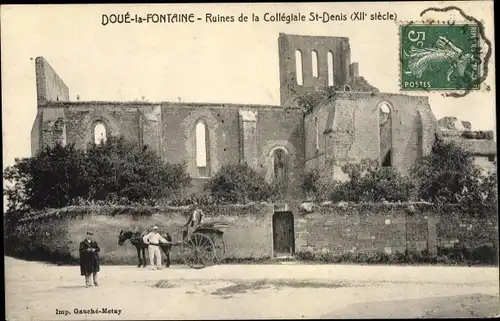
(202, 152)
(314, 61)
(329, 62)
(385, 127)
(100, 134)
(299, 67)
(280, 166)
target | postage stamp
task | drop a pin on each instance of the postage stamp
(439, 57)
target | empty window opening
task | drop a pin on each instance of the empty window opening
(280, 167)
(202, 152)
(299, 67)
(387, 160)
(314, 57)
(100, 134)
(385, 127)
(316, 132)
(329, 62)
(385, 108)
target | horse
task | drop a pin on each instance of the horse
(136, 240)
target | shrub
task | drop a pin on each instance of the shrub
(121, 169)
(316, 186)
(368, 182)
(448, 175)
(310, 182)
(239, 183)
(483, 255)
(194, 199)
(116, 171)
(52, 178)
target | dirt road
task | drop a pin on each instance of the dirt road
(37, 291)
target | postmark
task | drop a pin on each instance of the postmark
(440, 57)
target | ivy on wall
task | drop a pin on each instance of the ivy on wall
(112, 210)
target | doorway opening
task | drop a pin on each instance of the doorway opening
(283, 234)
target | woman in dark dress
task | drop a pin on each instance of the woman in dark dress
(89, 259)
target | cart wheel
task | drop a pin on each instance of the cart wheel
(220, 250)
(199, 251)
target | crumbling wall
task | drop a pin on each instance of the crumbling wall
(231, 141)
(289, 44)
(49, 86)
(345, 74)
(390, 228)
(349, 129)
(150, 131)
(53, 126)
(73, 122)
(36, 133)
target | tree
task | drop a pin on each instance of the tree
(52, 178)
(114, 169)
(310, 182)
(122, 169)
(368, 182)
(449, 175)
(317, 186)
(239, 183)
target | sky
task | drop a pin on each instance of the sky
(199, 62)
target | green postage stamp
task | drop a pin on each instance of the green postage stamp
(439, 57)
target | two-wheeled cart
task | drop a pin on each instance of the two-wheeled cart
(205, 246)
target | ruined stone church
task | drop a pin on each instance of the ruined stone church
(355, 121)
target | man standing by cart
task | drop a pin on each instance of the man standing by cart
(194, 221)
(153, 239)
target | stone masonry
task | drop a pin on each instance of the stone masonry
(331, 229)
(341, 128)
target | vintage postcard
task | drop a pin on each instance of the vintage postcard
(250, 161)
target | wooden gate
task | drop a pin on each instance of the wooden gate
(283, 234)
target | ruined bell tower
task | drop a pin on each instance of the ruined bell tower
(309, 63)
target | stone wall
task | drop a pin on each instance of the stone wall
(249, 236)
(36, 132)
(357, 230)
(457, 230)
(289, 44)
(169, 129)
(150, 128)
(348, 130)
(73, 122)
(49, 86)
(337, 229)
(237, 133)
(389, 228)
